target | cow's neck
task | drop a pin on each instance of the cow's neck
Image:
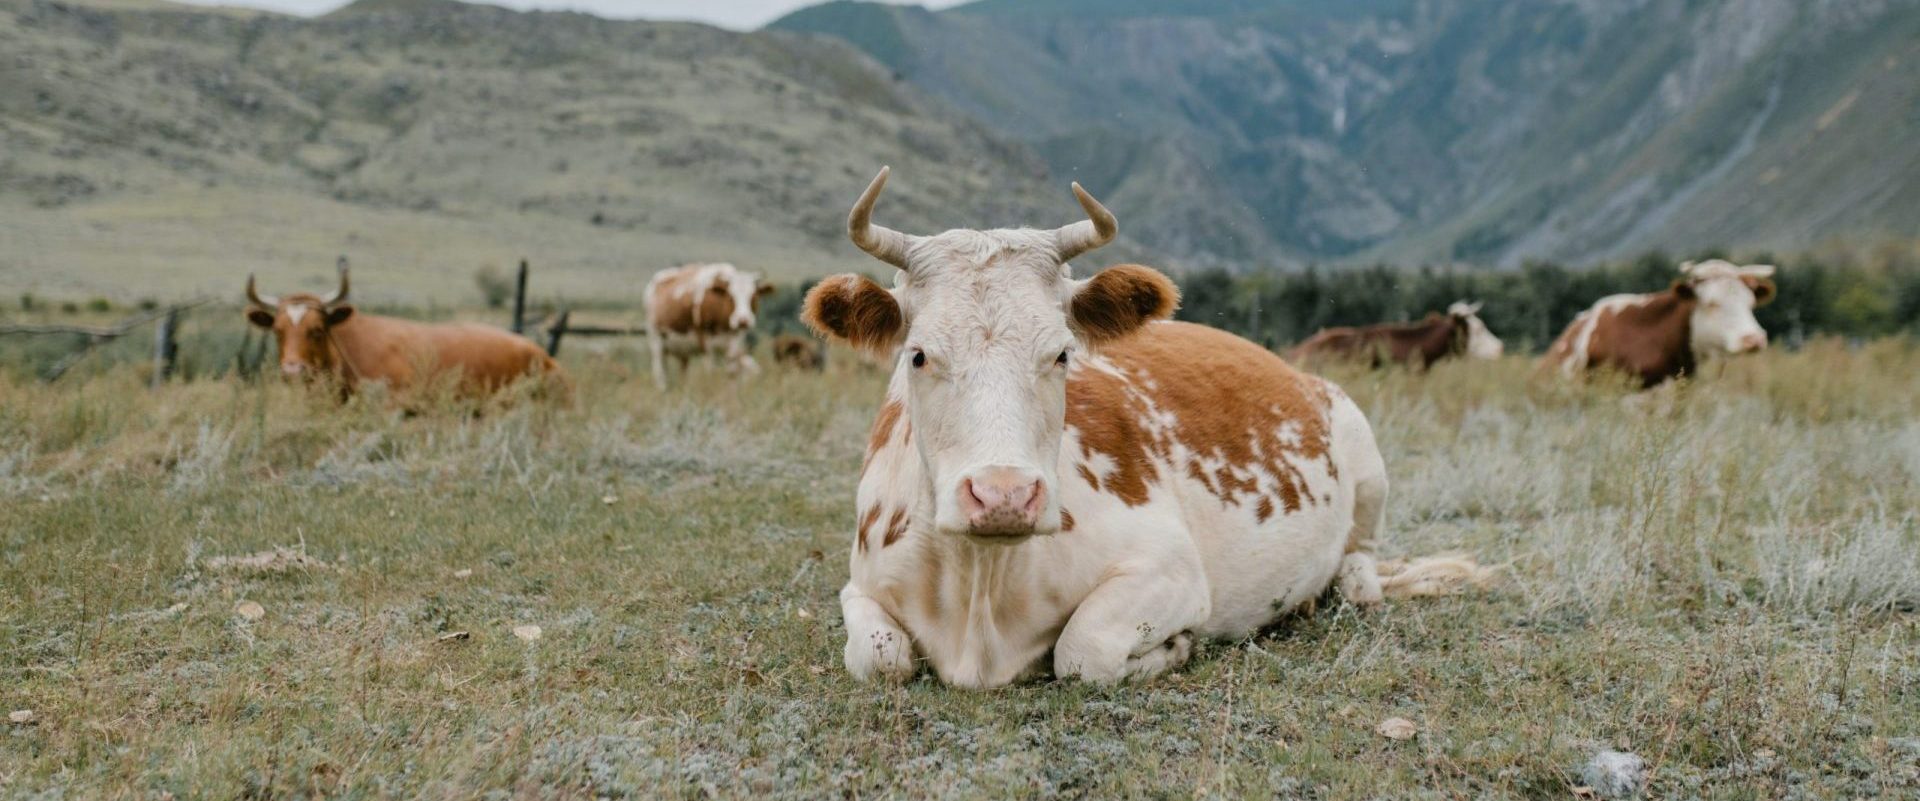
(341, 340)
(1673, 330)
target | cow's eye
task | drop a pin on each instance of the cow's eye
(1062, 361)
(919, 359)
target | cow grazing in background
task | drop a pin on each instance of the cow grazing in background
(1707, 313)
(327, 337)
(1459, 332)
(797, 351)
(1058, 470)
(702, 308)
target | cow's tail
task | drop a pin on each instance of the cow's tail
(1441, 574)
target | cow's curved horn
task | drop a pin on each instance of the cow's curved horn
(341, 295)
(1098, 229)
(257, 299)
(878, 241)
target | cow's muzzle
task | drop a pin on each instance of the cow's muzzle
(1003, 501)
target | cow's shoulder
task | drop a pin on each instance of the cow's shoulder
(1209, 405)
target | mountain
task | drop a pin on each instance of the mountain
(148, 148)
(1478, 131)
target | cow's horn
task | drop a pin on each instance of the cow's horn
(342, 294)
(1098, 229)
(881, 242)
(257, 299)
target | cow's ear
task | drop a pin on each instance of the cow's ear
(339, 314)
(855, 310)
(1684, 288)
(1763, 289)
(765, 289)
(260, 317)
(1119, 300)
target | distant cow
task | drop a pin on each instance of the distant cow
(702, 308)
(1061, 477)
(326, 336)
(1438, 336)
(1653, 337)
(798, 351)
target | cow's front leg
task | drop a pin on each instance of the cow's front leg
(877, 647)
(1133, 626)
(739, 359)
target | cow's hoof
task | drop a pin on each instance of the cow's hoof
(880, 654)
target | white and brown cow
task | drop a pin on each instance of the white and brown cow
(702, 308)
(1057, 469)
(1707, 313)
(1459, 332)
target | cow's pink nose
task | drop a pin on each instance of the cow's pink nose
(1002, 501)
(291, 368)
(1753, 342)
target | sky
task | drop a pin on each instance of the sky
(736, 14)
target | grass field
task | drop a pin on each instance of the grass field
(1722, 580)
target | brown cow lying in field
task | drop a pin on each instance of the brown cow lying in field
(1458, 332)
(325, 336)
(698, 308)
(1661, 335)
(798, 351)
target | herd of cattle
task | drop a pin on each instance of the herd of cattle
(1061, 477)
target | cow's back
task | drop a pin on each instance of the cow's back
(400, 352)
(1643, 335)
(680, 301)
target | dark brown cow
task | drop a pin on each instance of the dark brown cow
(1437, 336)
(1662, 335)
(326, 336)
(798, 351)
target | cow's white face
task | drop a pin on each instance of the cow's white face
(744, 289)
(1481, 343)
(1726, 295)
(989, 323)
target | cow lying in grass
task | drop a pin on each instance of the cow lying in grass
(1459, 332)
(1707, 313)
(327, 338)
(1058, 469)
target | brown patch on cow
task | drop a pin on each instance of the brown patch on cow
(1435, 337)
(866, 522)
(1086, 474)
(1265, 509)
(882, 432)
(1120, 299)
(1649, 339)
(896, 527)
(854, 309)
(670, 308)
(1066, 519)
(1233, 404)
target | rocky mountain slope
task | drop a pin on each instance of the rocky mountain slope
(148, 148)
(1262, 131)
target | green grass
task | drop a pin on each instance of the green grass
(1722, 579)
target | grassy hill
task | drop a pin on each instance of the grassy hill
(1454, 130)
(154, 149)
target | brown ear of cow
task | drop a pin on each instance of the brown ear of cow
(764, 289)
(1763, 289)
(260, 317)
(855, 310)
(339, 314)
(1683, 288)
(1119, 300)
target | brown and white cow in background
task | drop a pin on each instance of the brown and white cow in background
(327, 337)
(702, 308)
(1459, 332)
(1057, 469)
(1707, 313)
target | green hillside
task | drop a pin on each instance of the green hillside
(154, 149)
(1261, 131)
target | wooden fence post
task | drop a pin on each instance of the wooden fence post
(165, 350)
(556, 331)
(520, 299)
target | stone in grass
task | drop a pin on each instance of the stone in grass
(1615, 774)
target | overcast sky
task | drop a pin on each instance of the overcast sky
(738, 14)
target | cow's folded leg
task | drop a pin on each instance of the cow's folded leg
(1131, 627)
(876, 645)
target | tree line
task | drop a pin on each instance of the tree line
(1837, 293)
